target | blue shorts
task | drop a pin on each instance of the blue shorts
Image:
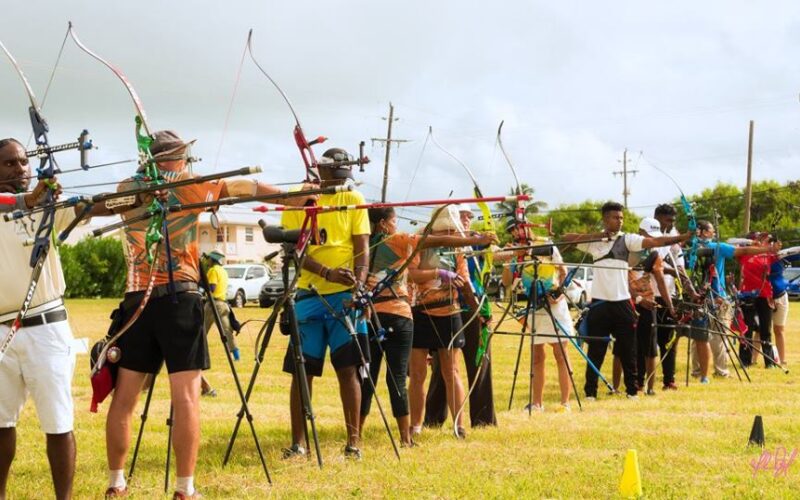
(320, 330)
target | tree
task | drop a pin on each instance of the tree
(94, 267)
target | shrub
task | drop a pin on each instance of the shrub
(94, 267)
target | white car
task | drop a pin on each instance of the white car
(245, 282)
(579, 290)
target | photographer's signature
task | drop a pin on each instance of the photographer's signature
(777, 461)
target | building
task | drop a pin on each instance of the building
(237, 234)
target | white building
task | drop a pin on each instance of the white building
(238, 235)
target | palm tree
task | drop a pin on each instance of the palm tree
(532, 207)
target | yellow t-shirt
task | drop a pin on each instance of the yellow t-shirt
(218, 276)
(336, 231)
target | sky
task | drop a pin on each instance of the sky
(675, 83)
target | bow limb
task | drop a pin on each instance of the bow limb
(519, 212)
(143, 141)
(691, 217)
(303, 144)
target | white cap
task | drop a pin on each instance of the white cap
(464, 207)
(650, 226)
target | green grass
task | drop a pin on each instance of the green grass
(690, 443)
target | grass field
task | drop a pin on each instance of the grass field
(691, 443)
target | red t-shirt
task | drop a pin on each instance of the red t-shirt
(755, 274)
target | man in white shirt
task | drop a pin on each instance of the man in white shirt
(41, 359)
(612, 312)
(665, 214)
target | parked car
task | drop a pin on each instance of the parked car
(495, 288)
(579, 290)
(792, 275)
(273, 289)
(245, 282)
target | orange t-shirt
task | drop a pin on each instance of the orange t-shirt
(390, 254)
(183, 235)
(433, 297)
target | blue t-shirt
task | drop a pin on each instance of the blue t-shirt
(776, 278)
(722, 251)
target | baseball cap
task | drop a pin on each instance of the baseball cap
(651, 226)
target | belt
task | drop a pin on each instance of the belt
(164, 290)
(780, 295)
(42, 319)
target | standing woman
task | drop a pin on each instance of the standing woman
(551, 274)
(442, 286)
(390, 250)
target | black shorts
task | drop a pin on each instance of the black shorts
(165, 332)
(435, 332)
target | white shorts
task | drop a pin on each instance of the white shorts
(545, 325)
(781, 312)
(40, 362)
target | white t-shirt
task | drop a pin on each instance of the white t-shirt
(672, 257)
(611, 284)
(16, 270)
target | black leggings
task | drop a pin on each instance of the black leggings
(665, 335)
(758, 316)
(646, 345)
(397, 348)
(619, 320)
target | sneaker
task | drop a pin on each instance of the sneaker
(670, 387)
(722, 374)
(696, 374)
(613, 392)
(114, 492)
(236, 354)
(704, 380)
(293, 451)
(564, 408)
(211, 393)
(461, 433)
(590, 398)
(352, 452)
(650, 392)
(632, 396)
(534, 408)
(179, 495)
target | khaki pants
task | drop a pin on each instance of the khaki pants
(224, 310)
(719, 355)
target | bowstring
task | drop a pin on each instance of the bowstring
(49, 83)
(230, 108)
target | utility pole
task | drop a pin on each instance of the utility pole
(748, 190)
(387, 143)
(624, 173)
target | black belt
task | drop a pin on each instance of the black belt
(42, 319)
(780, 295)
(164, 290)
(387, 298)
